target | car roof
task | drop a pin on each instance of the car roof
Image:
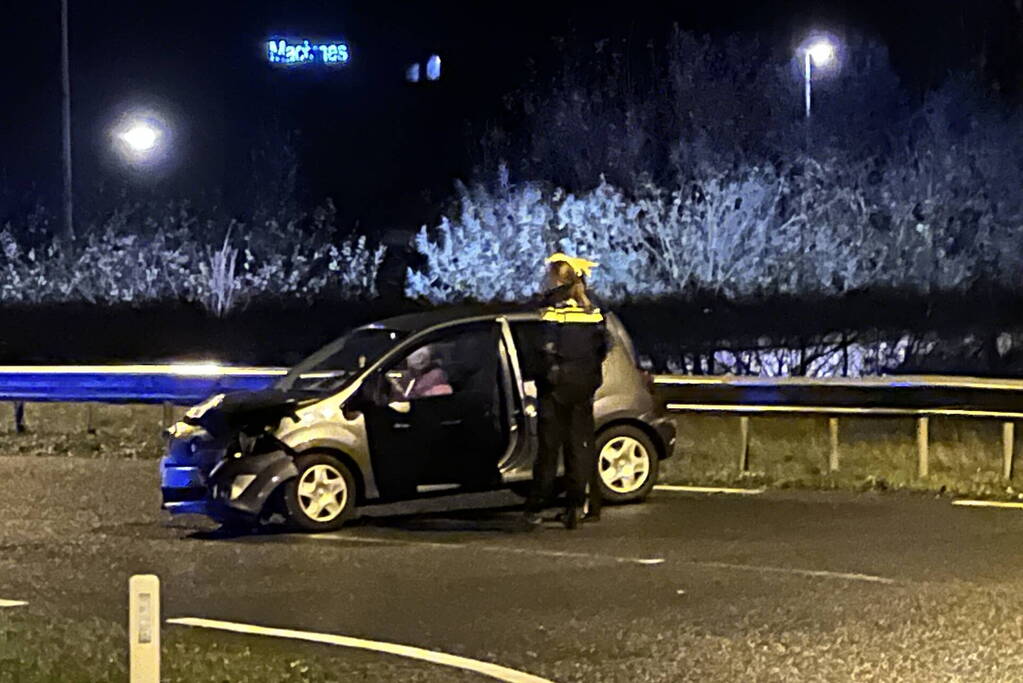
(414, 322)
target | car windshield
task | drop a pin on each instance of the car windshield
(327, 370)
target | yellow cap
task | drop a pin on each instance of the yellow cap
(581, 266)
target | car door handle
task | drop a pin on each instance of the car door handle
(450, 423)
(401, 425)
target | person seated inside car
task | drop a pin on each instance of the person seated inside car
(428, 378)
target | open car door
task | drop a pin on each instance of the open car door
(441, 424)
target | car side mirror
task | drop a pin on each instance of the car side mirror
(353, 405)
(369, 395)
(376, 389)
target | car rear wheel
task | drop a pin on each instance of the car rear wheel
(626, 463)
(322, 496)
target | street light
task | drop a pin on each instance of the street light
(141, 138)
(819, 53)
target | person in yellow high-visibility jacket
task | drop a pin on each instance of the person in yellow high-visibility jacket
(572, 356)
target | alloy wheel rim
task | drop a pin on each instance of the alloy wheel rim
(322, 493)
(624, 464)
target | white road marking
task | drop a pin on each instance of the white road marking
(501, 673)
(385, 541)
(493, 549)
(708, 489)
(987, 504)
(571, 555)
(12, 603)
(816, 573)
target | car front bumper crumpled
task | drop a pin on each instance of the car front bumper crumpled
(184, 474)
(199, 478)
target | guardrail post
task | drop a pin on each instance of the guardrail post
(1008, 441)
(19, 417)
(923, 464)
(168, 414)
(144, 628)
(744, 444)
(833, 432)
(90, 419)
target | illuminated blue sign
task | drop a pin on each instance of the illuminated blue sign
(414, 72)
(283, 52)
(433, 68)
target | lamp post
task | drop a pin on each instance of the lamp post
(65, 90)
(819, 53)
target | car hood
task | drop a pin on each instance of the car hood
(250, 411)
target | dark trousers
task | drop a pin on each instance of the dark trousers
(566, 428)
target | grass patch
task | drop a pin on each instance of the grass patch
(874, 453)
(63, 430)
(46, 648)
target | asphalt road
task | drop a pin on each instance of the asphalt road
(783, 586)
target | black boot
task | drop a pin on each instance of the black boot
(572, 517)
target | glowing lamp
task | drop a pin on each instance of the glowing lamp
(141, 137)
(821, 52)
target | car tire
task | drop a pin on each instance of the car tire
(322, 496)
(627, 463)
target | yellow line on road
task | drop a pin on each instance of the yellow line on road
(501, 673)
(987, 504)
(12, 603)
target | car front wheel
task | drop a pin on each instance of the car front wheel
(322, 496)
(626, 464)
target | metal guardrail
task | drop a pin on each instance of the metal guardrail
(183, 384)
(907, 396)
(919, 397)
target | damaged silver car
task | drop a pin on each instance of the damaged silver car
(424, 404)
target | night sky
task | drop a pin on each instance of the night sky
(385, 150)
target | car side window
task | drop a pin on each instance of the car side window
(443, 366)
(529, 340)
